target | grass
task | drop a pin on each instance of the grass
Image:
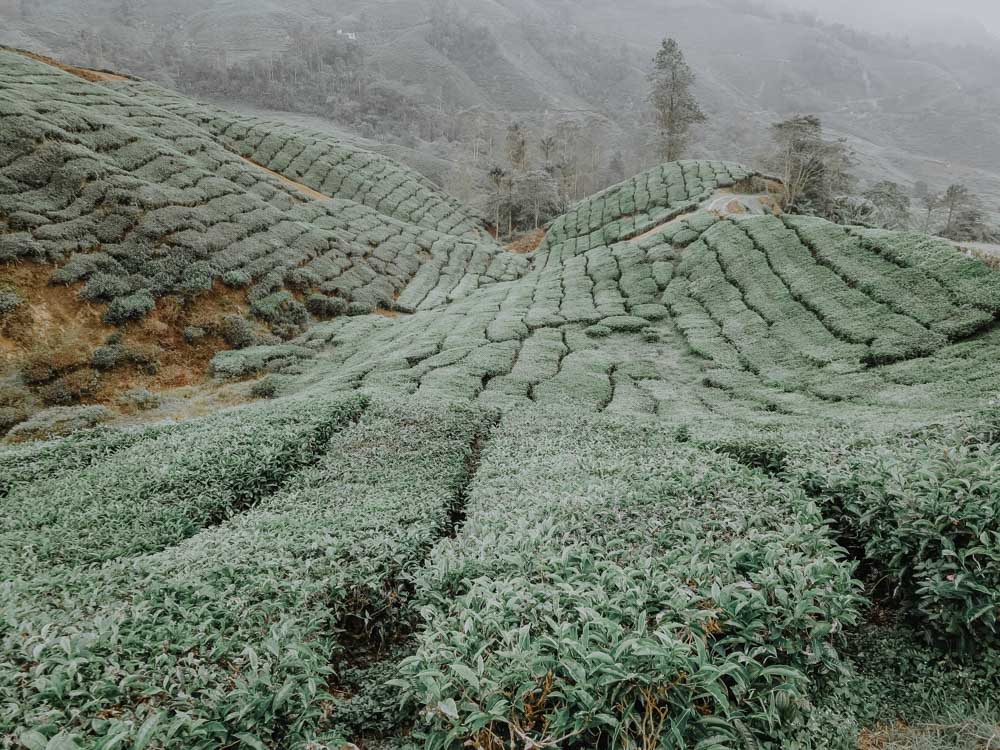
(670, 480)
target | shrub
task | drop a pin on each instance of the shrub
(105, 287)
(264, 388)
(927, 517)
(135, 306)
(193, 334)
(197, 277)
(139, 399)
(252, 360)
(59, 421)
(237, 279)
(70, 389)
(325, 307)
(82, 265)
(113, 356)
(302, 279)
(9, 300)
(281, 309)
(359, 308)
(109, 357)
(239, 332)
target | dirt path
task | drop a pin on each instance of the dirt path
(94, 76)
(304, 189)
(723, 202)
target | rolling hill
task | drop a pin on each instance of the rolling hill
(913, 109)
(678, 478)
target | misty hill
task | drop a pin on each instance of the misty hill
(913, 110)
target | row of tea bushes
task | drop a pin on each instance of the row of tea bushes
(164, 488)
(660, 593)
(246, 633)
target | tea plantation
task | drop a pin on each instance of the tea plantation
(673, 480)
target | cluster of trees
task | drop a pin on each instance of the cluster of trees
(318, 74)
(541, 172)
(956, 213)
(817, 178)
(815, 171)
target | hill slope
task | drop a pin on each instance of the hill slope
(678, 478)
(158, 208)
(912, 109)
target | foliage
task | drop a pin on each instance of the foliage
(813, 170)
(9, 301)
(257, 615)
(622, 493)
(891, 204)
(925, 516)
(59, 420)
(134, 306)
(616, 618)
(674, 106)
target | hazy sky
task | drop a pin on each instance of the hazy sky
(908, 16)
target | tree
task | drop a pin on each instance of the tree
(969, 225)
(891, 205)
(498, 180)
(674, 106)
(814, 172)
(547, 146)
(930, 203)
(956, 200)
(616, 168)
(534, 197)
(517, 146)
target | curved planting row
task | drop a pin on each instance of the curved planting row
(134, 202)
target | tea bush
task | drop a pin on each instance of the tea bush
(147, 199)
(9, 301)
(694, 604)
(205, 471)
(712, 432)
(245, 631)
(927, 517)
(58, 420)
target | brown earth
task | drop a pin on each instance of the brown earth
(52, 335)
(527, 242)
(87, 74)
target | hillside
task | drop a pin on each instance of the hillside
(169, 229)
(690, 474)
(913, 110)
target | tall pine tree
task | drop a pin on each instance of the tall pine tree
(674, 105)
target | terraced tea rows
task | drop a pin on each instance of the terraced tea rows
(639, 488)
(130, 198)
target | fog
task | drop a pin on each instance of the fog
(951, 21)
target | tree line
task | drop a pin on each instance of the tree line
(816, 172)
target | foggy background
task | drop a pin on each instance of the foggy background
(911, 86)
(918, 17)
